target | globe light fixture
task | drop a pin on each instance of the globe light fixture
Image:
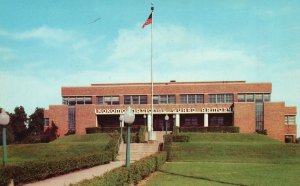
(4, 120)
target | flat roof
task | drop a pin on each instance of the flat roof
(170, 82)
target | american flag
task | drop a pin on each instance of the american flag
(148, 21)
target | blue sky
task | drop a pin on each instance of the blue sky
(47, 44)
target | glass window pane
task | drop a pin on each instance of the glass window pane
(79, 100)
(65, 100)
(171, 99)
(135, 99)
(155, 99)
(72, 100)
(191, 98)
(183, 98)
(267, 97)
(258, 98)
(127, 100)
(212, 98)
(99, 100)
(88, 100)
(200, 98)
(249, 98)
(241, 98)
(229, 98)
(143, 99)
(163, 99)
(107, 100)
(115, 100)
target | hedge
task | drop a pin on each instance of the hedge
(223, 129)
(38, 170)
(91, 130)
(141, 134)
(132, 175)
(180, 138)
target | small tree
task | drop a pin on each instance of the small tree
(18, 123)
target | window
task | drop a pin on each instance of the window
(290, 120)
(258, 98)
(80, 100)
(259, 116)
(46, 121)
(241, 98)
(249, 97)
(254, 97)
(267, 97)
(108, 100)
(191, 121)
(191, 98)
(220, 98)
(164, 99)
(139, 99)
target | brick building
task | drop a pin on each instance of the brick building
(188, 104)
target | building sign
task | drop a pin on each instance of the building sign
(161, 111)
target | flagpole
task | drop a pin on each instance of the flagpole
(152, 88)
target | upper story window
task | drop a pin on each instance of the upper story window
(135, 99)
(80, 100)
(290, 120)
(108, 100)
(46, 121)
(164, 99)
(254, 97)
(191, 98)
(220, 98)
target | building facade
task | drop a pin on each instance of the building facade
(188, 104)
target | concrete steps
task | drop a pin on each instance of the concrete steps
(138, 150)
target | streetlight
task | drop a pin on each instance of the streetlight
(145, 121)
(166, 118)
(129, 119)
(121, 118)
(4, 120)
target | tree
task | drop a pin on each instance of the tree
(18, 122)
(36, 122)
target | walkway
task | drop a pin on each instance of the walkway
(77, 176)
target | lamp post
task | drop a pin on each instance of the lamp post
(121, 118)
(129, 119)
(4, 120)
(145, 117)
(166, 118)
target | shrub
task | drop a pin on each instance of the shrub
(133, 137)
(175, 130)
(168, 140)
(223, 129)
(128, 176)
(298, 140)
(38, 170)
(5, 175)
(113, 145)
(180, 138)
(264, 132)
(91, 130)
(141, 134)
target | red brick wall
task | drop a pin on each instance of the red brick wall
(85, 117)
(274, 119)
(168, 88)
(244, 117)
(59, 115)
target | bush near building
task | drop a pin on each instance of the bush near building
(132, 175)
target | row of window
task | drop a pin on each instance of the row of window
(166, 99)
(290, 120)
(81, 100)
(257, 98)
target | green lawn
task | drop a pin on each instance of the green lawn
(231, 159)
(63, 147)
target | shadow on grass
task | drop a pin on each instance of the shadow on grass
(201, 178)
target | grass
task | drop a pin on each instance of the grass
(231, 159)
(63, 147)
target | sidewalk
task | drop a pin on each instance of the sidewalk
(75, 177)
